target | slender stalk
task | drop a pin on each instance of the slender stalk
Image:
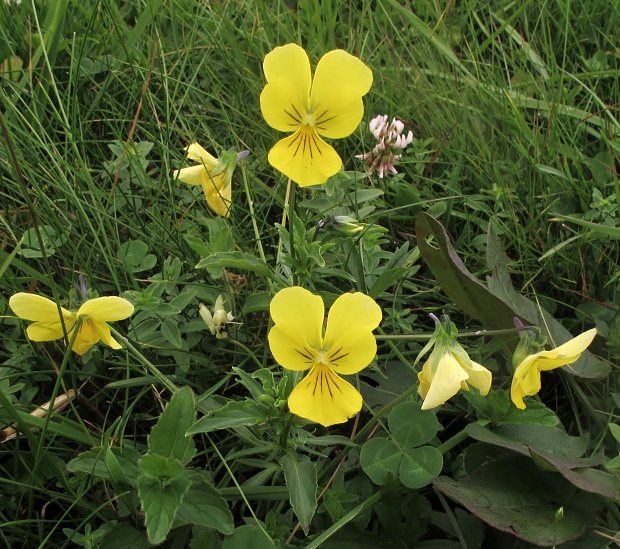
(248, 195)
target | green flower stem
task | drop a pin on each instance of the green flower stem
(288, 210)
(145, 362)
(456, 440)
(477, 333)
(237, 485)
(291, 224)
(248, 195)
(247, 351)
(318, 541)
(395, 350)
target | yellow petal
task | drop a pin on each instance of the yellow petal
(290, 63)
(103, 332)
(290, 348)
(336, 71)
(339, 114)
(302, 309)
(86, 337)
(525, 382)
(48, 331)
(336, 98)
(351, 312)
(445, 380)
(305, 158)
(324, 397)
(566, 353)
(36, 307)
(348, 337)
(193, 175)
(106, 309)
(219, 199)
(283, 107)
(200, 154)
(478, 376)
(353, 352)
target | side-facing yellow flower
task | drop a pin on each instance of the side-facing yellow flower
(449, 368)
(329, 106)
(214, 175)
(94, 315)
(299, 342)
(526, 379)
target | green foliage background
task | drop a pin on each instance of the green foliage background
(514, 111)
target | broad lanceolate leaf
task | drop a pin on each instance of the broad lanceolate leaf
(514, 496)
(161, 488)
(167, 437)
(248, 536)
(549, 441)
(233, 414)
(236, 260)
(467, 292)
(203, 505)
(301, 480)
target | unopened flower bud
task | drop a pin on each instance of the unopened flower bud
(217, 321)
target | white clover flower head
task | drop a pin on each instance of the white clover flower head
(391, 140)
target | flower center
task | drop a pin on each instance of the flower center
(308, 119)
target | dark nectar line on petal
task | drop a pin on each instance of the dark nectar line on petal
(316, 144)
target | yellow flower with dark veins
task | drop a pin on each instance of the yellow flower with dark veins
(299, 342)
(214, 175)
(449, 368)
(94, 315)
(329, 106)
(526, 380)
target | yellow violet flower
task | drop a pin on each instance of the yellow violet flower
(449, 368)
(94, 315)
(526, 379)
(299, 342)
(214, 175)
(329, 106)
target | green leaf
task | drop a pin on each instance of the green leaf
(615, 431)
(248, 536)
(236, 260)
(134, 254)
(585, 478)
(514, 496)
(163, 469)
(255, 302)
(380, 459)
(122, 535)
(386, 279)
(203, 505)
(94, 462)
(547, 441)
(410, 426)
(301, 480)
(167, 437)
(160, 500)
(233, 414)
(420, 466)
(170, 331)
(467, 292)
